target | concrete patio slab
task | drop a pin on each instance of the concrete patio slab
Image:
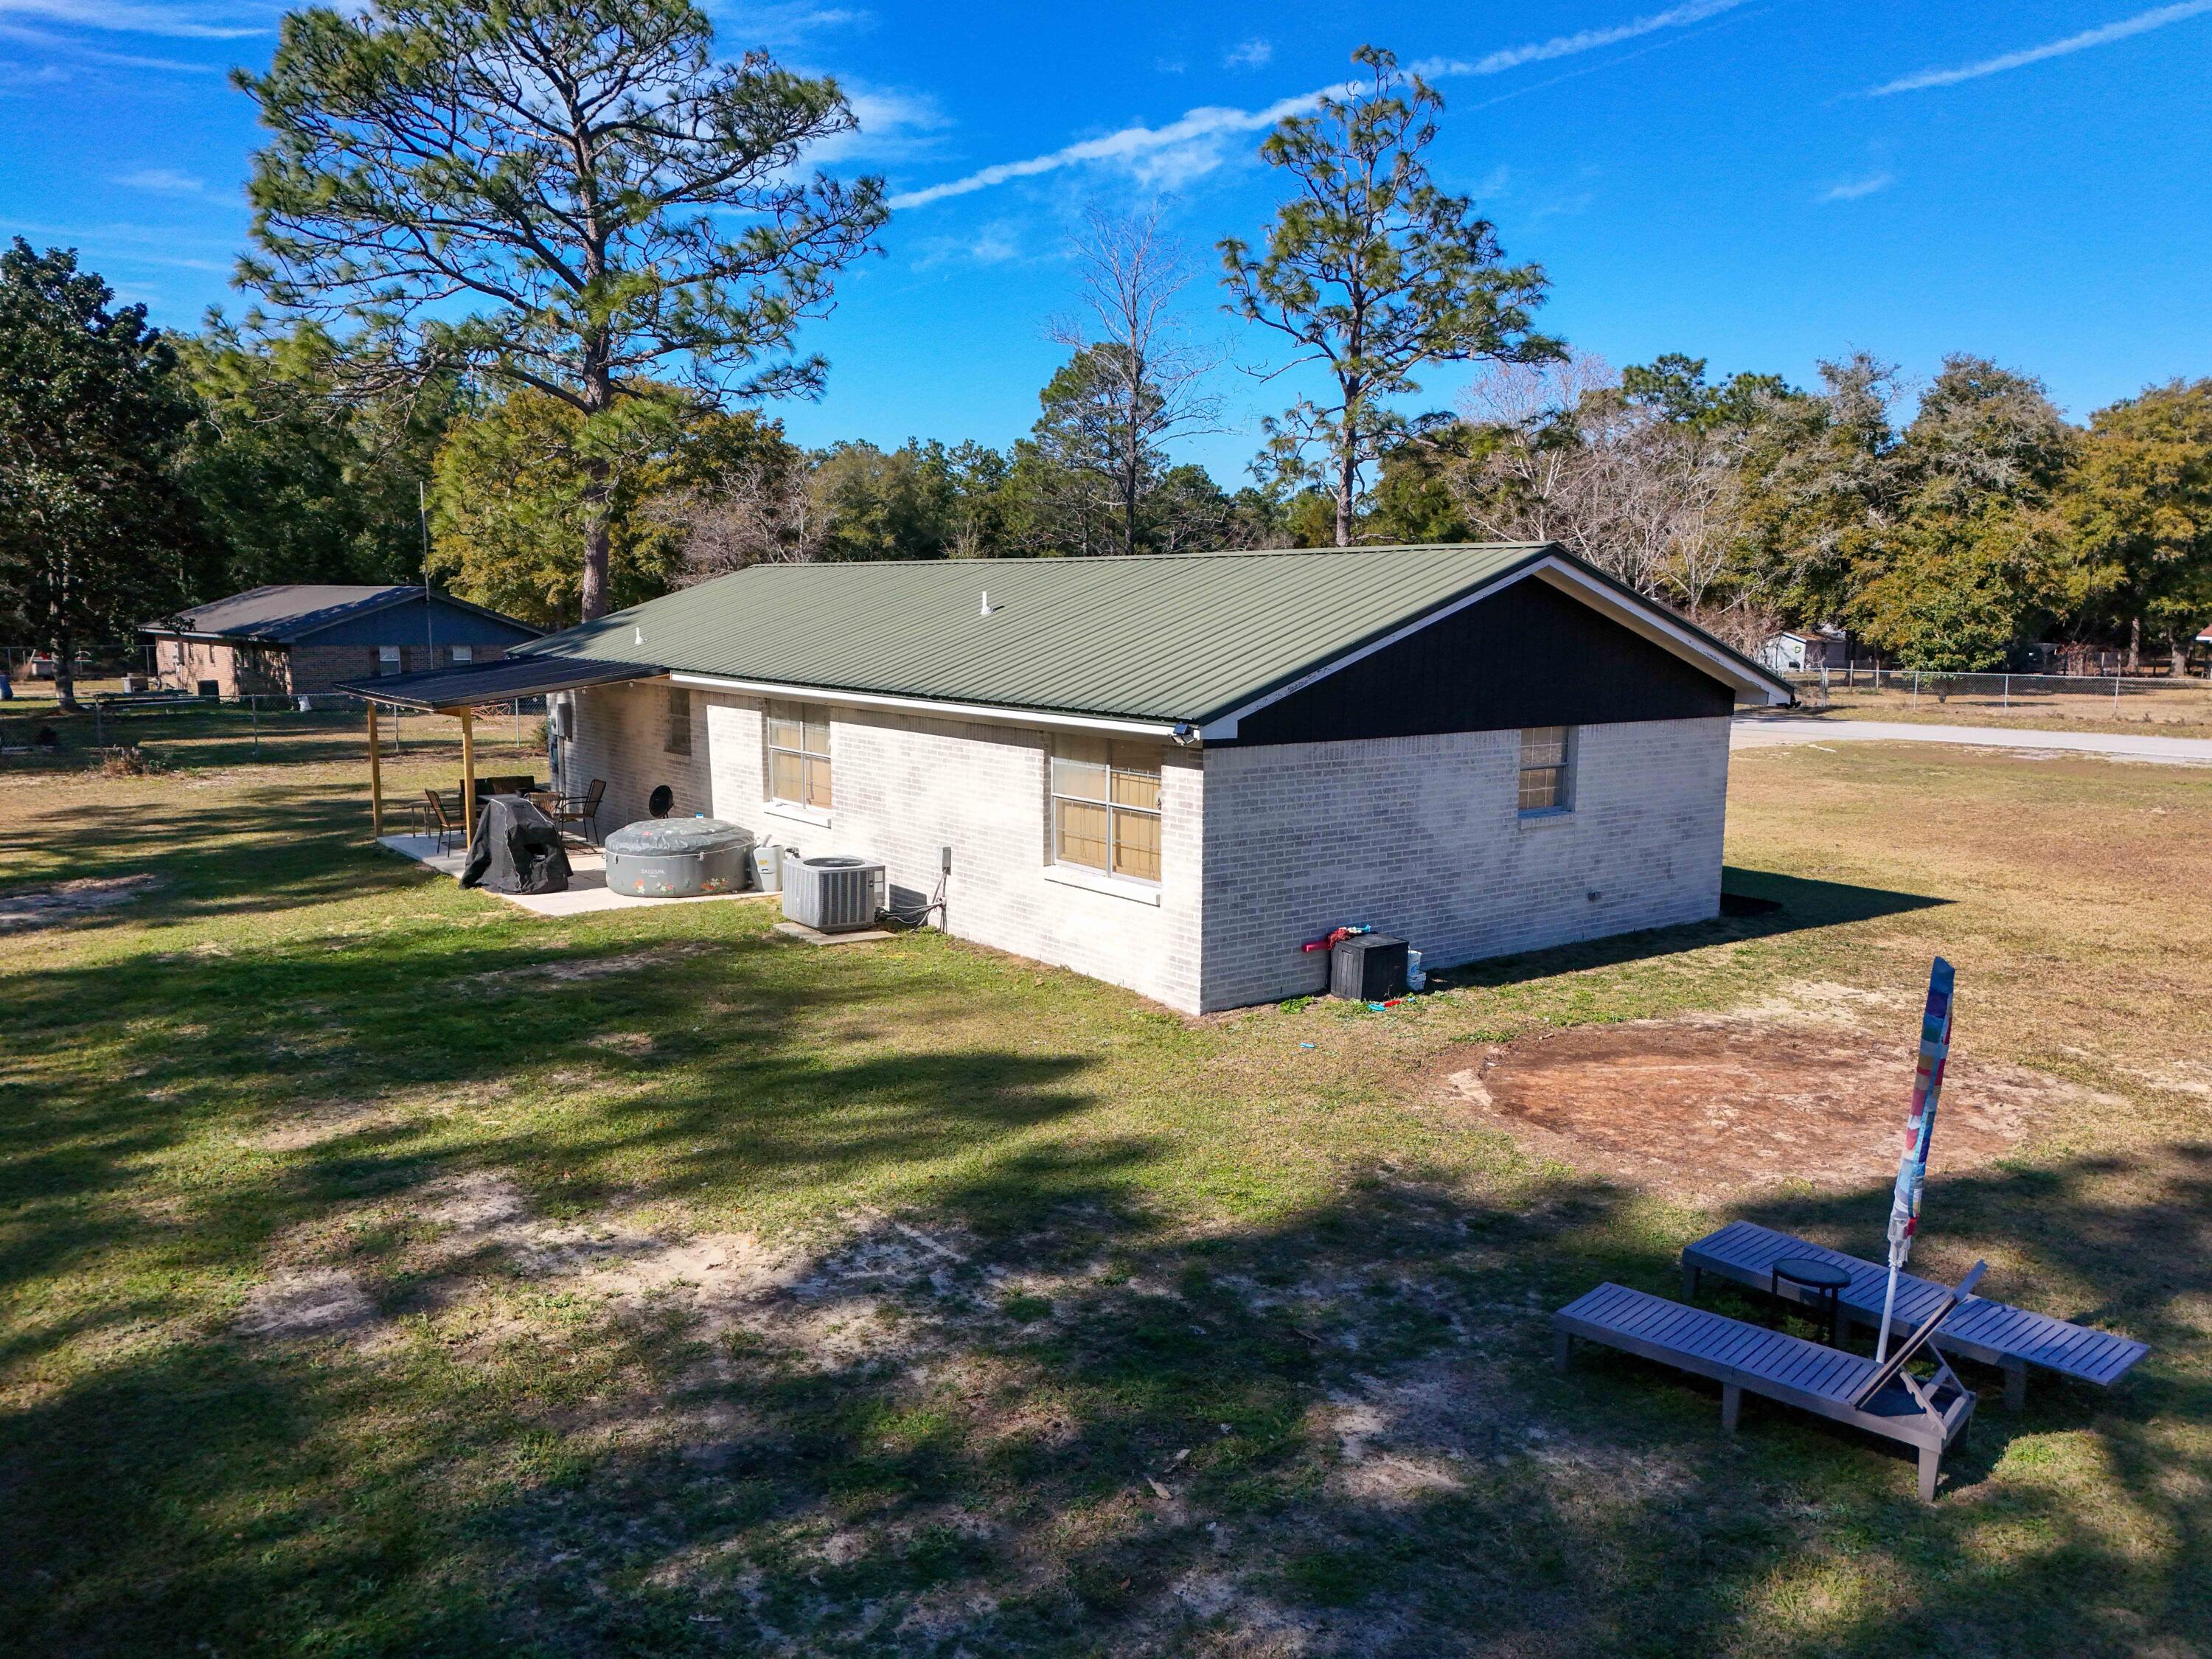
(805, 935)
(587, 881)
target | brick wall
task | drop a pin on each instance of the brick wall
(275, 670)
(1422, 837)
(620, 733)
(1263, 847)
(318, 667)
(236, 670)
(902, 787)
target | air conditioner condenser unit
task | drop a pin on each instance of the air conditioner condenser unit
(831, 894)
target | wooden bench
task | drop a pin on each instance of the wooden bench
(1884, 1400)
(1990, 1333)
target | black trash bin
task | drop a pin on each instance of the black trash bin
(1367, 968)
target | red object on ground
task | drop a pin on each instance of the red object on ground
(1333, 940)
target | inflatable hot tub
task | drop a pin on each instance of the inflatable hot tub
(677, 858)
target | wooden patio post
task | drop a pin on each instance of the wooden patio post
(468, 776)
(375, 779)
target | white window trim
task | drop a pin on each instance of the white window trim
(796, 811)
(1570, 767)
(1084, 875)
(796, 814)
(1094, 881)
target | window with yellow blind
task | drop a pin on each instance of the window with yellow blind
(1547, 769)
(799, 755)
(1106, 807)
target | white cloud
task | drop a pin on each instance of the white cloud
(118, 244)
(1255, 53)
(995, 244)
(788, 24)
(1178, 147)
(1570, 45)
(67, 46)
(162, 181)
(894, 125)
(2143, 21)
(1852, 189)
(173, 22)
(1185, 149)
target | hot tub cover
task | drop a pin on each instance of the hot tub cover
(659, 837)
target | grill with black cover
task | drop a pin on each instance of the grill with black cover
(515, 849)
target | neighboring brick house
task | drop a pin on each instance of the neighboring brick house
(1171, 772)
(304, 638)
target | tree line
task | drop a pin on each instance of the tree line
(530, 278)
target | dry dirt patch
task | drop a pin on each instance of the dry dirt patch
(306, 1302)
(1695, 1108)
(47, 907)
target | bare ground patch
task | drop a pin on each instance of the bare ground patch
(49, 907)
(570, 970)
(1695, 1108)
(307, 1302)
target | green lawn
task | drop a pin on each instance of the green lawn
(384, 1272)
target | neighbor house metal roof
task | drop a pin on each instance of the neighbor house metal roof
(291, 611)
(1159, 638)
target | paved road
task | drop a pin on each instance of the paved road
(1766, 731)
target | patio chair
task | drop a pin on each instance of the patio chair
(440, 820)
(1886, 1400)
(2010, 1339)
(582, 809)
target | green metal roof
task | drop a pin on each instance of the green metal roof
(1165, 638)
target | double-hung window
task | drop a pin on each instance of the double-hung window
(387, 660)
(676, 739)
(1106, 807)
(1547, 783)
(464, 653)
(799, 755)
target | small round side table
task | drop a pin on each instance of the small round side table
(1823, 1283)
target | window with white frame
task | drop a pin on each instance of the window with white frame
(387, 660)
(676, 739)
(1547, 769)
(1106, 807)
(464, 653)
(799, 755)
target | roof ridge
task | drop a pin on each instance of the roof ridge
(1086, 559)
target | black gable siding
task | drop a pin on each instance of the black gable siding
(1528, 656)
(402, 624)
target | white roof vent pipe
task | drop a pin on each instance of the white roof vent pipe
(988, 608)
(637, 635)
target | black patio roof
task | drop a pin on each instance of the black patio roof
(472, 684)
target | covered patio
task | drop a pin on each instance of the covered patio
(587, 893)
(460, 692)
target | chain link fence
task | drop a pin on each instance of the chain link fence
(2090, 696)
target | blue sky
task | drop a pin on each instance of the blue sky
(1761, 182)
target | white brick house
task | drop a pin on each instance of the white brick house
(1170, 773)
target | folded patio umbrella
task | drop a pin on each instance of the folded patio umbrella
(1920, 1129)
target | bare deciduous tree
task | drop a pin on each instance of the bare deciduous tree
(760, 512)
(1559, 453)
(1147, 374)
